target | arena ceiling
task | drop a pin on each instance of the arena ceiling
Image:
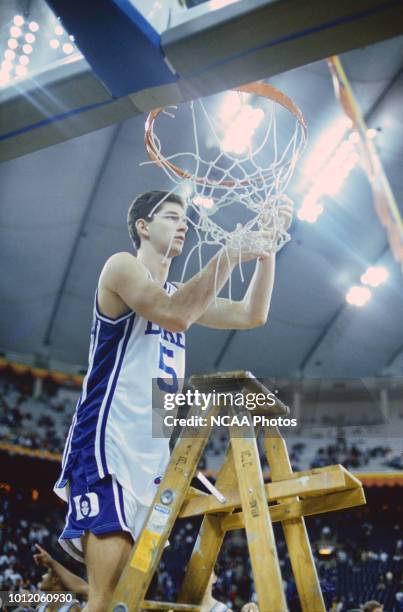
(63, 214)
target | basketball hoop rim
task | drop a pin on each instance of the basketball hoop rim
(257, 88)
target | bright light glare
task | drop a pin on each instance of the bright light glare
(6, 65)
(238, 135)
(230, 106)
(371, 133)
(27, 49)
(324, 146)
(12, 43)
(374, 276)
(358, 296)
(337, 170)
(329, 180)
(59, 30)
(310, 211)
(4, 77)
(30, 38)
(21, 70)
(15, 31)
(354, 137)
(33, 26)
(204, 202)
(24, 60)
(54, 43)
(9, 54)
(18, 20)
(68, 48)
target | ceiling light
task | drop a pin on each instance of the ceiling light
(54, 43)
(333, 172)
(203, 201)
(24, 60)
(324, 147)
(9, 54)
(310, 212)
(238, 135)
(33, 26)
(6, 65)
(12, 43)
(15, 31)
(354, 137)
(68, 48)
(18, 20)
(358, 296)
(27, 49)
(371, 133)
(30, 38)
(4, 77)
(374, 276)
(230, 106)
(59, 30)
(21, 70)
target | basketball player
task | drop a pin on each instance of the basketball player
(111, 465)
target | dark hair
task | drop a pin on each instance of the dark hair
(144, 207)
(371, 605)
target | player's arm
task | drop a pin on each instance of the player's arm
(125, 275)
(253, 310)
(71, 581)
(250, 312)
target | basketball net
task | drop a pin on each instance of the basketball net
(241, 165)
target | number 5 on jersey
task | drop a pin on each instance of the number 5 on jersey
(169, 385)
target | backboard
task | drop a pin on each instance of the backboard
(117, 58)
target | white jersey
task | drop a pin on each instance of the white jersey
(111, 432)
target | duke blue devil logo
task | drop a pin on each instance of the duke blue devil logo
(86, 505)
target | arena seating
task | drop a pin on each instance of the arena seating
(358, 553)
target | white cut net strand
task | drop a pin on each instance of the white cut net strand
(230, 179)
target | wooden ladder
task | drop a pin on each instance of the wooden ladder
(249, 504)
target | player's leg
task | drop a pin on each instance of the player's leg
(105, 556)
(96, 532)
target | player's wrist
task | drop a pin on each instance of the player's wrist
(230, 254)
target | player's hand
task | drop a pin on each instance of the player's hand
(250, 245)
(285, 211)
(43, 557)
(250, 607)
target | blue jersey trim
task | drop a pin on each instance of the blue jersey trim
(111, 393)
(121, 501)
(105, 318)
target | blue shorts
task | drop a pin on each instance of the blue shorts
(102, 507)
